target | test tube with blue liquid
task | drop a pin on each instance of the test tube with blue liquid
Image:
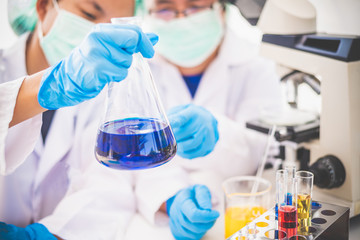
(291, 194)
(135, 132)
(291, 171)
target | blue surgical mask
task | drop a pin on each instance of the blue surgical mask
(66, 33)
(189, 41)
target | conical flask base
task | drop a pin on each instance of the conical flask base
(135, 143)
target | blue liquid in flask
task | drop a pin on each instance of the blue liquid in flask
(135, 143)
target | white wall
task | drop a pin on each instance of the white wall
(7, 36)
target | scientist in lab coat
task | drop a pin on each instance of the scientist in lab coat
(207, 57)
(60, 187)
(20, 100)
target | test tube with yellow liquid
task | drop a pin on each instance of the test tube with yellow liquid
(242, 205)
(304, 181)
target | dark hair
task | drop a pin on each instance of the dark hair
(223, 2)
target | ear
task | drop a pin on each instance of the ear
(42, 6)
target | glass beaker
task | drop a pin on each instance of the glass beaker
(241, 205)
(135, 132)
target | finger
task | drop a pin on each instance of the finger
(196, 215)
(189, 149)
(120, 57)
(120, 36)
(200, 152)
(178, 108)
(105, 72)
(111, 72)
(209, 143)
(198, 228)
(183, 195)
(193, 143)
(203, 197)
(179, 232)
(144, 46)
(195, 153)
(153, 38)
(189, 129)
(176, 116)
(206, 147)
(128, 37)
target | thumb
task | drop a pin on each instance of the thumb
(203, 197)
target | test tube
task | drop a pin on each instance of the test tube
(287, 202)
(290, 171)
(304, 181)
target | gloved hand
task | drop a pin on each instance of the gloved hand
(195, 130)
(190, 213)
(35, 231)
(104, 56)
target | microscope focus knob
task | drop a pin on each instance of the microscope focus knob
(328, 172)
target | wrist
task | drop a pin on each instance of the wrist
(39, 232)
(168, 204)
(50, 87)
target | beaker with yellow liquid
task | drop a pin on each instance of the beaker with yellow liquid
(242, 205)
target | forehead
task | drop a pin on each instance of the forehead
(177, 2)
(112, 8)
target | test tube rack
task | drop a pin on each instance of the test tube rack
(328, 222)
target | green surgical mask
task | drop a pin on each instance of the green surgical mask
(66, 33)
(22, 15)
(188, 41)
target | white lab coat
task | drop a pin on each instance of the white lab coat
(10, 160)
(60, 184)
(12, 154)
(236, 87)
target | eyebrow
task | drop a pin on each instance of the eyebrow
(96, 6)
(170, 1)
(163, 1)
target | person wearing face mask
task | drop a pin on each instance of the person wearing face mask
(29, 96)
(60, 191)
(63, 189)
(207, 57)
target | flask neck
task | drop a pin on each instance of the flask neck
(127, 20)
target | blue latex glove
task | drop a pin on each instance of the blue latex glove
(34, 231)
(195, 130)
(190, 213)
(104, 56)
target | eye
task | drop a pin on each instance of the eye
(89, 16)
(164, 10)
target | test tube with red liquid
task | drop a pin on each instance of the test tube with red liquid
(286, 202)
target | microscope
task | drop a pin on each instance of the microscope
(326, 143)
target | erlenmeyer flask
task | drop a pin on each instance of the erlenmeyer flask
(135, 132)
